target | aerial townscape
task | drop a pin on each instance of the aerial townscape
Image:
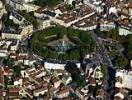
(65, 49)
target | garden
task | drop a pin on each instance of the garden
(62, 43)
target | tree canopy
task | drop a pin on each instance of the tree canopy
(30, 17)
(126, 42)
(47, 2)
(75, 73)
(83, 42)
(8, 22)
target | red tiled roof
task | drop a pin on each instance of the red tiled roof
(92, 81)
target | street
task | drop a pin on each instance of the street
(101, 54)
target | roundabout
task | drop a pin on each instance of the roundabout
(62, 44)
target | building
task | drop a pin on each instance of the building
(56, 82)
(82, 93)
(125, 31)
(100, 94)
(13, 93)
(18, 82)
(8, 72)
(54, 66)
(43, 22)
(27, 29)
(119, 96)
(1, 77)
(24, 29)
(2, 94)
(64, 92)
(23, 5)
(93, 3)
(124, 79)
(40, 91)
(97, 73)
(69, 2)
(11, 34)
(66, 79)
(14, 45)
(1, 9)
(30, 7)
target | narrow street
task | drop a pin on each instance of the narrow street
(102, 55)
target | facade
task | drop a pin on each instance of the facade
(25, 28)
(69, 1)
(82, 94)
(40, 91)
(54, 66)
(19, 36)
(124, 31)
(124, 78)
(97, 73)
(30, 7)
(11, 36)
(64, 92)
(43, 23)
(66, 79)
(23, 5)
(107, 26)
(50, 65)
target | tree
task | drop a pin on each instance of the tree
(8, 22)
(104, 70)
(114, 34)
(71, 68)
(129, 53)
(75, 73)
(17, 70)
(5, 18)
(74, 3)
(81, 39)
(30, 17)
(69, 7)
(47, 2)
(122, 62)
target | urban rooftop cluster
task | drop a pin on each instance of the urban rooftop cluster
(65, 49)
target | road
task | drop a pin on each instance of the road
(101, 53)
